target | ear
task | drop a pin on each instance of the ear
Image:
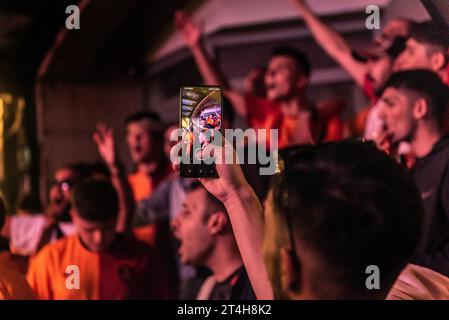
(420, 109)
(438, 61)
(217, 222)
(291, 281)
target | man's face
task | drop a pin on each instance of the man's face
(190, 228)
(415, 56)
(396, 110)
(281, 78)
(139, 139)
(61, 190)
(379, 70)
(95, 236)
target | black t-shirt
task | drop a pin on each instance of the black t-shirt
(236, 287)
(431, 174)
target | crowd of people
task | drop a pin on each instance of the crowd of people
(369, 191)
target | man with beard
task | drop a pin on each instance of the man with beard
(28, 233)
(414, 103)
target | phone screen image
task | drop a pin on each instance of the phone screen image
(200, 119)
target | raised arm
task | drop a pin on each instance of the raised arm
(104, 139)
(209, 71)
(331, 42)
(245, 213)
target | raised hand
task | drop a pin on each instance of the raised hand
(104, 139)
(231, 179)
(190, 32)
(298, 3)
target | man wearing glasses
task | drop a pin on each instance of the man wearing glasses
(29, 233)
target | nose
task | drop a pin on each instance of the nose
(381, 113)
(97, 236)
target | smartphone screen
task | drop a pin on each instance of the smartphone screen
(200, 117)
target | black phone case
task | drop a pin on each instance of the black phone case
(202, 170)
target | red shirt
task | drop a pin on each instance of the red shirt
(266, 114)
(127, 270)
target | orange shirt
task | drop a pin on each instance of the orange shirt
(13, 285)
(265, 114)
(143, 184)
(127, 270)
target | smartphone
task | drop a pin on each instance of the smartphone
(200, 119)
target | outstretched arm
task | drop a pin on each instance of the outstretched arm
(209, 71)
(331, 42)
(104, 139)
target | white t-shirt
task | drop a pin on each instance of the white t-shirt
(26, 231)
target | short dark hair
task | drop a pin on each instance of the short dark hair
(426, 84)
(302, 61)
(352, 206)
(428, 32)
(143, 115)
(96, 200)
(81, 169)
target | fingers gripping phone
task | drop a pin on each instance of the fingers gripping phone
(200, 121)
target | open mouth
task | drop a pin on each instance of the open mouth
(58, 201)
(137, 149)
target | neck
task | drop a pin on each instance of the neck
(294, 105)
(224, 260)
(424, 139)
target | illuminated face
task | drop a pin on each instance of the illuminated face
(415, 56)
(95, 236)
(61, 190)
(396, 112)
(379, 70)
(140, 142)
(190, 227)
(282, 78)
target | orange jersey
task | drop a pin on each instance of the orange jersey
(143, 184)
(13, 285)
(127, 270)
(265, 114)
